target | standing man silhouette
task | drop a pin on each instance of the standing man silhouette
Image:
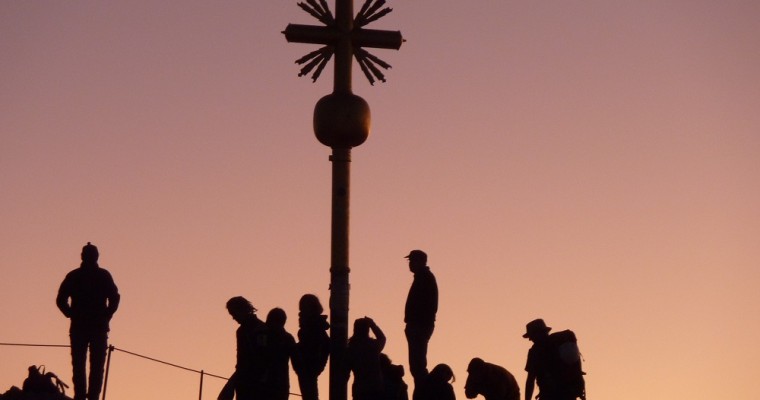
(94, 299)
(419, 315)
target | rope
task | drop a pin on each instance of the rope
(168, 363)
(130, 353)
(34, 345)
(123, 351)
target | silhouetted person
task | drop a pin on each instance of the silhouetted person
(490, 380)
(437, 385)
(363, 359)
(545, 367)
(393, 379)
(419, 314)
(281, 349)
(247, 382)
(313, 346)
(539, 364)
(89, 297)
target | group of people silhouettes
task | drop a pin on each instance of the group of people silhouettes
(265, 350)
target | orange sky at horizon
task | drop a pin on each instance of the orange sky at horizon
(592, 163)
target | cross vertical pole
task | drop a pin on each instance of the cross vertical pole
(344, 19)
(339, 271)
(341, 174)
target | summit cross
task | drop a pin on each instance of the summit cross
(345, 36)
(342, 121)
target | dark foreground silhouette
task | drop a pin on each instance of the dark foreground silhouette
(39, 385)
(363, 360)
(437, 385)
(554, 363)
(313, 346)
(89, 298)
(491, 381)
(419, 315)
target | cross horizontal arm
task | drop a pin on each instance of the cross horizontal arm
(310, 34)
(377, 39)
(374, 38)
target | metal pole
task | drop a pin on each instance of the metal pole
(200, 392)
(108, 369)
(339, 270)
(341, 167)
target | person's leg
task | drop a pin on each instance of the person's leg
(307, 382)
(98, 348)
(79, 364)
(417, 338)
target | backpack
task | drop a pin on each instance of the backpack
(568, 362)
(40, 383)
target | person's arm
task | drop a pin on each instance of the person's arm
(529, 386)
(430, 298)
(378, 334)
(113, 297)
(62, 300)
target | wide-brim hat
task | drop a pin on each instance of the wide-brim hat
(536, 326)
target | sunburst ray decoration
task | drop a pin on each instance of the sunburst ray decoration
(320, 11)
(371, 65)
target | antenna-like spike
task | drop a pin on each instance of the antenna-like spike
(326, 8)
(316, 6)
(375, 71)
(309, 56)
(367, 73)
(313, 63)
(377, 16)
(377, 60)
(378, 4)
(321, 66)
(314, 13)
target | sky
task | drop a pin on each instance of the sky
(592, 163)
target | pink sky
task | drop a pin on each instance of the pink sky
(593, 163)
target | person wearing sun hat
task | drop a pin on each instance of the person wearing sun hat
(539, 364)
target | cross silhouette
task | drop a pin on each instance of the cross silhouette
(341, 121)
(344, 36)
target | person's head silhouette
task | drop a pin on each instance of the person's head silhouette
(417, 259)
(277, 318)
(361, 327)
(442, 373)
(536, 330)
(239, 308)
(309, 304)
(90, 254)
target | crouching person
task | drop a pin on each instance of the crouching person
(491, 381)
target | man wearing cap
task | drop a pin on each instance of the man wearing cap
(252, 367)
(419, 314)
(539, 364)
(94, 300)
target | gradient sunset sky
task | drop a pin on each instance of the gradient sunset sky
(593, 163)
